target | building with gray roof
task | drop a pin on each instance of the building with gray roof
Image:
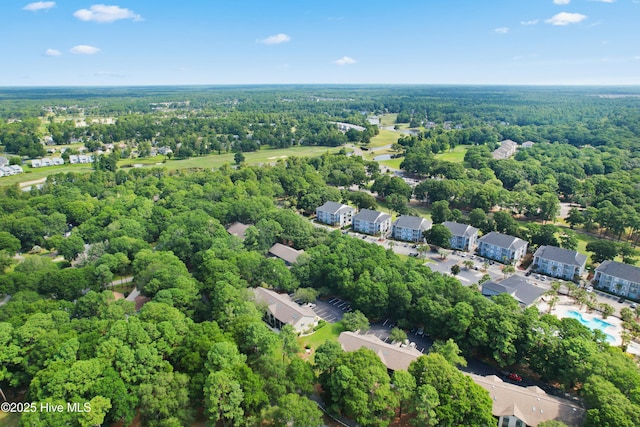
(281, 311)
(522, 290)
(515, 405)
(507, 149)
(619, 278)
(558, 262)
(502, 247)
(336, 214)
(372, 222)
(463, 236)
(394, 356)
(285, 253)
(410, 228)
(237, 229)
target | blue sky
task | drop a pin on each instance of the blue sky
(165, 42)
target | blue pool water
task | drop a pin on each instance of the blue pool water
(592, 324)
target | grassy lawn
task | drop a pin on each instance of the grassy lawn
(388, 119)
(33, 174)
(454, 156)
(216, 160)
(392, 163)
(9, 419)
(385, 137)
(329, 332)
(267, 155)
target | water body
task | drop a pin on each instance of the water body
(592, 324)
(382, 157)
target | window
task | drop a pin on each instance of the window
(505, 422)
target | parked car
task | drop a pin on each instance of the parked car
(622, 299)
(633, 305)
(514, 377)
(528, 273)
(590, 289)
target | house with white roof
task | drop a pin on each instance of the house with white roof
(502, 247)
(4, 161)
(372, 222)
(281, 311)
(619, 278)
(7, 171)
(559, 262)
(333, 213)
(16, 169)
(410, 228)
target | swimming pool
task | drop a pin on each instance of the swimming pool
(592, 324)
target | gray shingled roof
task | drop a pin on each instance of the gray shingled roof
(502, 240)
(3, 161)
(285, 253)
(237, 229)
(458, 229)
(564, 256)
(518, 287)
(393, 356)
(333, 207)
(371, 216)
(412, 222)
(620, 270)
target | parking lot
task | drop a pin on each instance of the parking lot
(331, 310)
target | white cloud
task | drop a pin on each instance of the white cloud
(561, 1)
(345, 60)
(275, 39)
(501, 30)
(566, 18)
(39, 5)
(52, 52)
(530, 22)
(84, 49)
(104, 14)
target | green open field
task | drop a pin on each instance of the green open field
(267, 155)
(38, 173)
(329, 332)
(454, 156)
(392, 163)
(388, 119)
(385, 137)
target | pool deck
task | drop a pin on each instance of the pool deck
(566, 304)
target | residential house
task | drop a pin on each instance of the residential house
(36, 163)
(517, 406)
(528, 144)
(523, 291)
(502, 247)
(57, 161)
(81, 158)
(394, 356)
(74, 159)
(285, 253)
(410, 228)
(558, 262)
(372, 222)
(463, 237)
(513, 405)
(46, 161)
(281, 311)
(507, 149)
(16, 169)
(333, 213)
(621, 279)
(7, 171)
(4, 161)
(164, 151)
(237, 229)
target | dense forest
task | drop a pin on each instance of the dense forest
(199, 350)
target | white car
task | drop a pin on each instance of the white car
(590, 289)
